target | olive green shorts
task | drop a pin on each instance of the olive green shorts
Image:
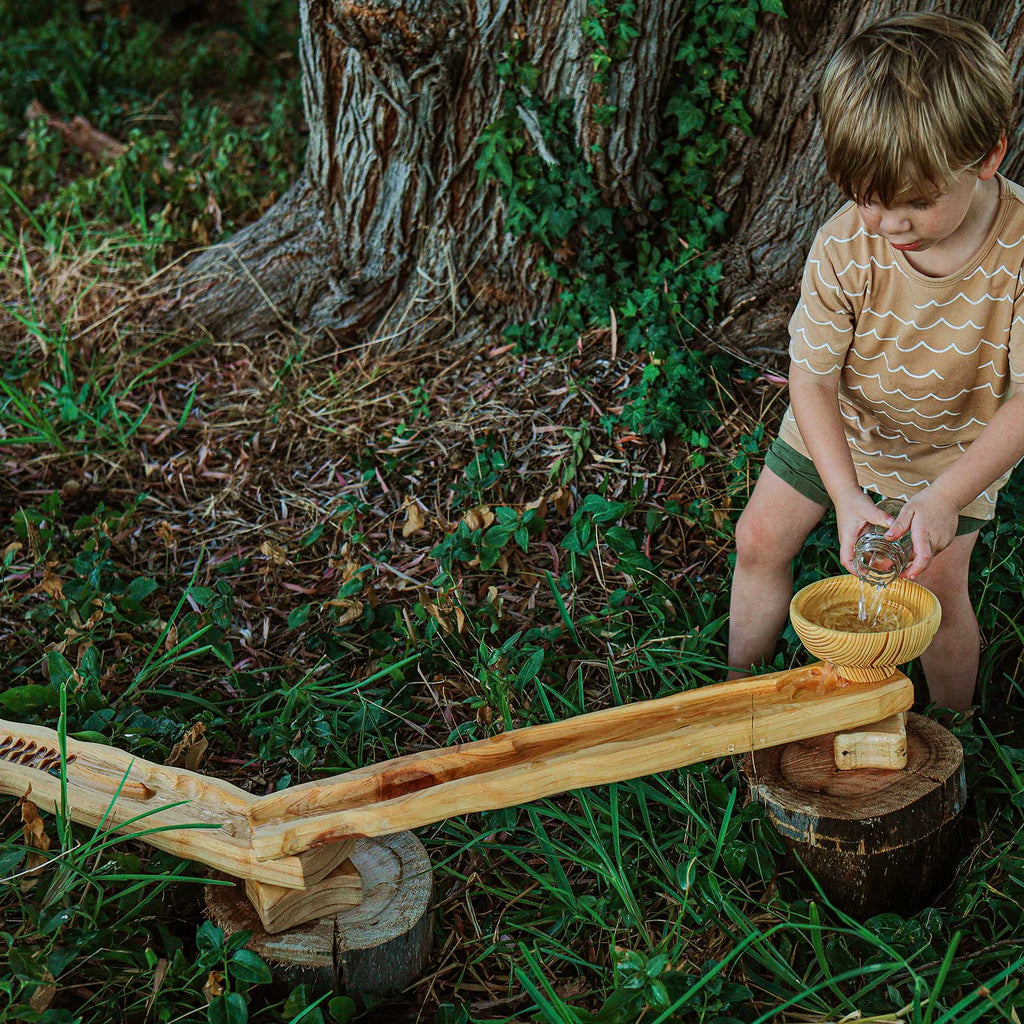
(798, 471)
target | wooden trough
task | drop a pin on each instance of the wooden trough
(339, 851)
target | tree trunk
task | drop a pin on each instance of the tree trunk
(774, 185)
(388, 231)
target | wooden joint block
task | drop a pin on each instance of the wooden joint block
(881, 745)
(279, 908)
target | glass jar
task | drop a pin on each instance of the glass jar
(879, 561)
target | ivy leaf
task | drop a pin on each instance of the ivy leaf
(246, 965)
(689, 118)
(342, 1009)
(299, 616)
(503, 168)
(209, 936)
(229, 1009)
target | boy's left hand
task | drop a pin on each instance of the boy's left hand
(932, 519)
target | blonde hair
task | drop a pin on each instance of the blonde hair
(910, 102)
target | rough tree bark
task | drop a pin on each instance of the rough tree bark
(774, 185)
(388, 231)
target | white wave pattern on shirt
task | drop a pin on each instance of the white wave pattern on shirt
(917, 485)
(865, 266)
(961, 297)
(951, 347)
(860, 231)
(806, 363)
(902, 369)
(884, 455)
(826, 323)
(942, 321)
(823, 299)
(928, 430)
(817, 273)
(909, 483)
(852, 417)
(999, 270)
(918, 398)
(817, 348)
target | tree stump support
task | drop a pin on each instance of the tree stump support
(877, 840)
(371, 950)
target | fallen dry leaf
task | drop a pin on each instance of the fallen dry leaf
(78, 132)
(479, 517)
(51, 584)
(274, 552)
(351, 609)
(561, 498)
(159, 973)
(435, 613)
(189, 750)
(414, 519)
(44, 993)
(165, 533)
(34, 832)
(214, 986)
(32, 826)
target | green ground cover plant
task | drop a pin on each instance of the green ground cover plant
(655, 280)
(317, 562)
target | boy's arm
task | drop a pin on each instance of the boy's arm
(931, 515)
(815, 401)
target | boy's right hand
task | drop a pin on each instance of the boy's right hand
(854, 511)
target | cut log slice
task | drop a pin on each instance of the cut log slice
(371, 950)
(280, 908)
(876, 840)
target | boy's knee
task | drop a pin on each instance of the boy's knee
(758, 543)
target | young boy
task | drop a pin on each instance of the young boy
(908, 338)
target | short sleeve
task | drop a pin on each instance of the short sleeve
(1017, 334)
(821, 328)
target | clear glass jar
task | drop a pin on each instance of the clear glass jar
(879, 561)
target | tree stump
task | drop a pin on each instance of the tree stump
(369, 951)
(877, 840)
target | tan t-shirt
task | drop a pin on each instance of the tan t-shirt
(926, 361)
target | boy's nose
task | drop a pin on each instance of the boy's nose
(894, 224)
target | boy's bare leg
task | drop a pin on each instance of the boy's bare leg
(951, 662)
(769, 534)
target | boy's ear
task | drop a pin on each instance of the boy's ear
(990, 164)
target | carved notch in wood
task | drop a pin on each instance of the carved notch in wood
(27, 752)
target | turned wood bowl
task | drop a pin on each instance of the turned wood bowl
(871, 656)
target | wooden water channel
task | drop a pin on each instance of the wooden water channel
(330, 876)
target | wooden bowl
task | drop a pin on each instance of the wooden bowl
(865, 657)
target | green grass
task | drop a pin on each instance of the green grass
(209, 115)
(661, 899)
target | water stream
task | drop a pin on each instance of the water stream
(870, 613)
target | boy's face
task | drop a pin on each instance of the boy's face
(915, 223)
